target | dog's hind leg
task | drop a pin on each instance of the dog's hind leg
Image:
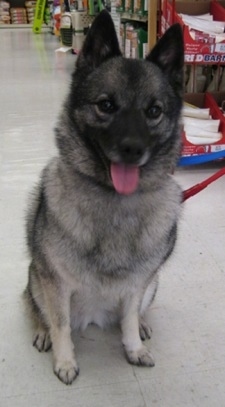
(149, 295)
(145, 330)
(35, 301)
(42, 340)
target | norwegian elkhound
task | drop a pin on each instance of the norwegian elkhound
(104, 217)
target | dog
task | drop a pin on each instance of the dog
(104, 216)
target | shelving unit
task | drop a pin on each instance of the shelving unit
(21, 4)
(16, 26)
(134, 17)
(152, 22)
(150, 19)
(17, 3)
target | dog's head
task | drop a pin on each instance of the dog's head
(121, 121)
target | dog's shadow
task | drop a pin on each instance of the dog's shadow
(97, 340)
(98, 349)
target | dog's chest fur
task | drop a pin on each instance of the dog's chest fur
(107, 234)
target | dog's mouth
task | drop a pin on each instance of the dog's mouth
(125, 177)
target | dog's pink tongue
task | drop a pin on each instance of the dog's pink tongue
(125, 178)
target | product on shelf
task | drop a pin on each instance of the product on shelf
(140, 7)
(204, 39)
(203, 25)
(204, 124)
(199, 127)
(4, 12)
(137, 7)
(56, 18)
(66, 31)
(18, 15)
(30, 8)
(120, 6)
(122, 37)
(129, 6)
(133, 40)
(81, 21)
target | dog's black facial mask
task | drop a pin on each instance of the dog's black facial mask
(127, 111)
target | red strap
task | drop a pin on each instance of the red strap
(199, 187)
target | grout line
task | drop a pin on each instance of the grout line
(139, 385)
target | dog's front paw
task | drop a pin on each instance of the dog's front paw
(66, 371)
(140, 357)
(42, 341)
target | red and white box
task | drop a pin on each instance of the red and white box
(213, 101)
(203, 49)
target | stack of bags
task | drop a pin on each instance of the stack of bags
(30, 7)
(199, 126)
(4, 12)
(18, 15)
(203, 27)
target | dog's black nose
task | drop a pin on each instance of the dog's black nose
(131, 151)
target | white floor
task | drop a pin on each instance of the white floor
(188, 316)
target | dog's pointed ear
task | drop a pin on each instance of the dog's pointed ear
(100, 44)
(168, 54)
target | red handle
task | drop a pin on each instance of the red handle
(199, 187)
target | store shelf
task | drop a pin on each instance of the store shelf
(134, 17)
(150, 19)
(15, 26)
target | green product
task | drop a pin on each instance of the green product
(38, 16)
(47, 15)
(144, 7)
(142, 41)
(91, 7)
(95, 7)
(100, 5)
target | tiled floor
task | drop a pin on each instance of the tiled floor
(188, 316)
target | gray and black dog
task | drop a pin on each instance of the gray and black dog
(104, 217)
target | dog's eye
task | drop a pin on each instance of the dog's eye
(154, 112)
(106, 106)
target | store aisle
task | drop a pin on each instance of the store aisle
(188, 317)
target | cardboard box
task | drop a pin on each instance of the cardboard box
(213, 101)
(204, 50)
